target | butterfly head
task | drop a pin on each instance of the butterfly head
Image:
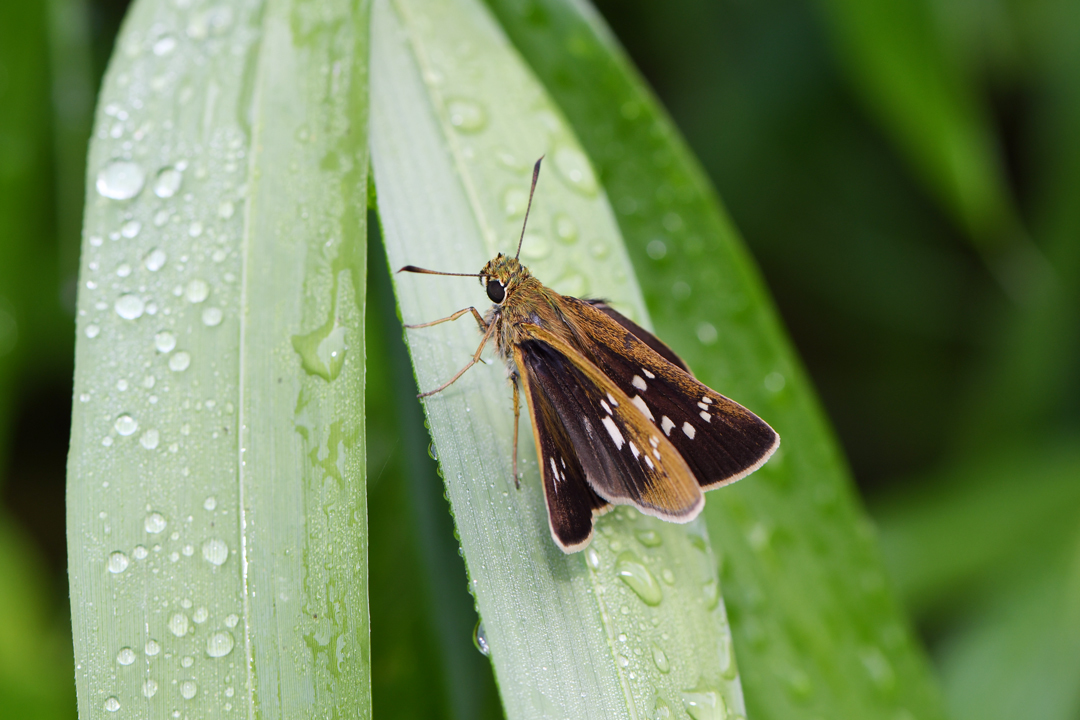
(501, 276)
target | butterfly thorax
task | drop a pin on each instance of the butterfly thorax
(525, 301)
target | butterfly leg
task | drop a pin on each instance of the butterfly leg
(455, 316)
(475, 359)
(517, 417)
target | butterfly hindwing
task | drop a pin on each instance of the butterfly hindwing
(720, 440)
(571, 502)
(625, 459)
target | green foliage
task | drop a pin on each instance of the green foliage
(906, 174)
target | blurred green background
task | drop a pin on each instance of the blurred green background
(908, 177)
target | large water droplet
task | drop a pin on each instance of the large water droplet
(631, 571)
(149, 688)
(574, 168)
(466, 115)
(704, 704)
(215, 551)
(167, 183)
(179, 624)
(154, 523)
(648, 538)
(117, 562)
(165, 341)
(120, 180)
(112, 704)
(126, 425)
(197, 291)
(662, 711)
(188, 689)
(179, 362)
(130, 306)
(210, 503)
(660, 659)
(219, 644)
(130, 229)
(706, 333)
(155, 260)
(126, 656)
(153, 647)
(150, 439)
(92, 331)
(480, 639)
(211, 317)
(322, 352)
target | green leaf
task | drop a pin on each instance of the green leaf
(817, 631)
(457, 121)
(216, 501)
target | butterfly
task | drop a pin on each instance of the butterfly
(617, 416)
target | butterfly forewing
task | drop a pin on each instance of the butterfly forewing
(626, 459)
(720, 440)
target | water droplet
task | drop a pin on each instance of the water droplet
(149, 688)
(112, 704)
(593, 558)
(466, 115)
(680, 290)
(656, 249)
(126, 656)
(211, 317)
(480, 639)
(164, 46)
(155, 523)
(210, 503)
(200, 615)
(219, 644)
(120, 180)
(195, 229)
(226, 209)
(188, 689)
(140, 552)
(231, 620)
(662, 711)
(155, 260)
(149, 439)
(774, 382)
(432, 451)
(726, 655)
(711, 593)
(661, 659)
(152, 648)
(215, 551)
(92, 331)
(178, 624)
(126, 425)
(515, 200)
(706, 333)
(573, 284)
(879, 668)
(129, 306)
(117, 563)
(179, 362)
(648, 538)
(167, 183)
(565, 229)
(164, 341)
(798, 684)
(535, 246)
(704, 704)
(668, 576)
(123, 270)
(632, 572)
(574, 168)
(197, 291)
(130, 229)
(322, 352)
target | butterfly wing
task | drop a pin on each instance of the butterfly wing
(640, 333)
(720, 440)
(571, 502)
(624, 458)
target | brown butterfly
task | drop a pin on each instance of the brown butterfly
(618, 418)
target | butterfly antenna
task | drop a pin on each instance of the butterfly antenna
(536, 174)
(414, 269)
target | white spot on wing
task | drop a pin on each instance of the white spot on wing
(705, 416)
(648, 462)
(689, 430)
(613, 431)
(607, 408)
(647, 373)
(666, 424)
(639, 383)
(633, 449)
(554, 473)
(654, 441)
(640, 404)
(707, 400)
(703, 406)
(612, 400)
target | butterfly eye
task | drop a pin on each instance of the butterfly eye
(496, 291)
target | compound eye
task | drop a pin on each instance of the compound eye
(496, 291)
